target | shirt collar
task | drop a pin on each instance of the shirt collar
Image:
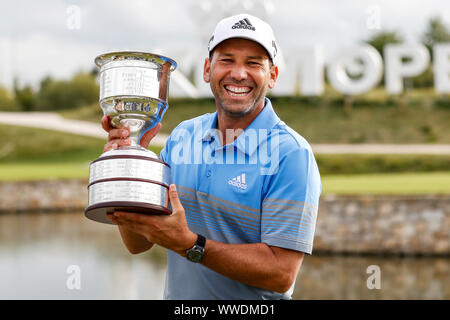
(266, 119)
(209, 127)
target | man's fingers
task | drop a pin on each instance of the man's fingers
(149, 135)
(174, 199)
(118, 133)
(133, 227)
(110, 146)
(111, 217)
(131, 216)
(121, 142)
(135, 222)
(114, 144)
(106, 123)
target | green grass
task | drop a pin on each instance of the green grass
(22, 144)
(399, 183)
(381, 163)
(36, 154)
(31, 145)
(39, 154)
(44, 171)
(374, 118)
(396, 184)
(328, 122)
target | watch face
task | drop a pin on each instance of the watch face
(195, 254)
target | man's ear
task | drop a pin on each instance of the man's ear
(207, 70)
(273, 76)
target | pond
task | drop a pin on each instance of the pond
(40, 253)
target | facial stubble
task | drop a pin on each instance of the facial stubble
(232, 113)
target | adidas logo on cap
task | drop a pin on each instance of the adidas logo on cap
(248, 27)
(243, 24)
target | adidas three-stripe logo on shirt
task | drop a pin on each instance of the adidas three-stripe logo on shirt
(238, 181)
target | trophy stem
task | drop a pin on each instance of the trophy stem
(135, 126)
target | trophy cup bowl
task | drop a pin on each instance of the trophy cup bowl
(134, 88)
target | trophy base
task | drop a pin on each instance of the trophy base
(129, 179)
(98, 212)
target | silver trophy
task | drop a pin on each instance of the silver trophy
(134, 88)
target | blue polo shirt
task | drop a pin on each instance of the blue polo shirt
(263, 187)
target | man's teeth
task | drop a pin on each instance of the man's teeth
(238, 90)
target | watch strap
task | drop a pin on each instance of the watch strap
(195, 254)
(201, 241)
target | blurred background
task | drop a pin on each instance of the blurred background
(367, 83)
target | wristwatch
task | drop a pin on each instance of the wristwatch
(195, 254)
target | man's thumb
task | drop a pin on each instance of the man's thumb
(174, 200)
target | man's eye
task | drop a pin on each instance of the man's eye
(253, 63)
(226, 60)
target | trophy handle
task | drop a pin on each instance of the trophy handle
(164, 81)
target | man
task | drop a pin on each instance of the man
(245, 186)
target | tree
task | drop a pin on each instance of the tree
(435, 32)
(25, 96)
(7, 101)
(382, 38)
(81, 90)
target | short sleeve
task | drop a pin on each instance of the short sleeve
(290, 202)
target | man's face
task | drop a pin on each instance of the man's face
(239, 73)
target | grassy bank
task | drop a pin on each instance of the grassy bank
(420, 116)
(37, 154)
(396, 184)
(33, 171)
(31, 145)
(330, 164)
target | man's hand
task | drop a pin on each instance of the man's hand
(120, 136)
(171, 232)
(255, 264)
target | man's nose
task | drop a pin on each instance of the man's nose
(239, 73)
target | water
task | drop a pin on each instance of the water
(36, 251)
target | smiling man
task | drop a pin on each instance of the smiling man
(245, 214)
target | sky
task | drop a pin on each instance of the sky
(61, 37)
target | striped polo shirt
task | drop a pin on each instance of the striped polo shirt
(263, 187)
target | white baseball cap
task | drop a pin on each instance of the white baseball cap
(248, 27)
